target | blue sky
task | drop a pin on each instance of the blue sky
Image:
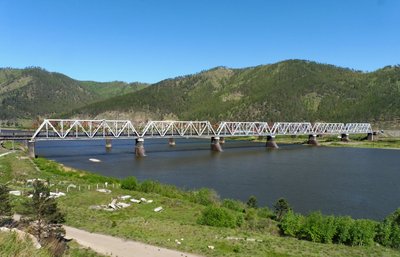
(149, 40)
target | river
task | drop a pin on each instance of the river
(362, 183)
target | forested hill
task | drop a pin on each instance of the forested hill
(27, 94)
(291, 90)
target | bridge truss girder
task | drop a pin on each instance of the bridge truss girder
(98, 129)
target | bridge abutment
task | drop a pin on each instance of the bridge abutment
(215, 144)
(312, 140)
(171, 141)
(139, 147)
(271, 142)
(31, 149)
(345, 138)
(370, 137)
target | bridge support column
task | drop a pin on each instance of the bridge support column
(312, 140)
(271, 142)
(370, 137)
(171, 141)
(221, 140)
(215, 146)
(108, 143)
(345, 138)
(139, 147)
(31, 149)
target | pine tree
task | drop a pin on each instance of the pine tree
(43, 211)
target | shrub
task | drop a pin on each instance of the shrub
(252, 202)
(129, 183)
(265, 212)
(291, 224)
(362, 232)
(388, 231)
(234, 205)
(281, 208)
(319, 228)
(217, 217)
(204, 196)
(343, 226)
(149, 186)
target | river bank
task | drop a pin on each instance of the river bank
(258, 235)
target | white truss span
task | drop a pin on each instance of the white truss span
(98, 129)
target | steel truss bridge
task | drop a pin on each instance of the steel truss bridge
(68, 129)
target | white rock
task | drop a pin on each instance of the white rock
(133, 200)
(124, 197)
(102, 190)
(158, 209)
(16, 192)
(211, 247)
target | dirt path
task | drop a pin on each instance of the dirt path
(114, 246)
(4, 154)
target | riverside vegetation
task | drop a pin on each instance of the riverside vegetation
(198, 219)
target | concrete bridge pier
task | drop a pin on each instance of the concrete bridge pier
(370, 137)
(221, 140)
(215, 146)
(139, 147)
(31, 149)
(108, 144)
(312, 140)
(345, 138)
(171, 141)
(271, 142)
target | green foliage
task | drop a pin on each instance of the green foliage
(362, 232)
(318, 228)
(12, 245)
(252, 202)
(5, 204)
(292, 224)
(204, 196)
(129, 183)
(234, 205)
(388, 231)
(217, 217)
(43, 210)
(343, 226)
(281, 208)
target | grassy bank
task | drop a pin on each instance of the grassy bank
(13, 245)
(258, 234)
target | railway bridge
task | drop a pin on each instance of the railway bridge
(76, 129)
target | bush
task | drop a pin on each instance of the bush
(149, 186)
(362, 232)
(204, 196)
(265, 212)
(129, 183)
(343, 226)
(252, 202)
(319, 228)
(291, 224)
(281, 208)
(234, 205)
(217, 217)
(388, 231)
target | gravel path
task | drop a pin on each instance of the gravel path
(115, 246)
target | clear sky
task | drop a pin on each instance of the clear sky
(150, 40)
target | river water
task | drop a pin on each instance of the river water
(362, 183)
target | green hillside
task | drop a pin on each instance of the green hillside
(27, 94)
(291, 90)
